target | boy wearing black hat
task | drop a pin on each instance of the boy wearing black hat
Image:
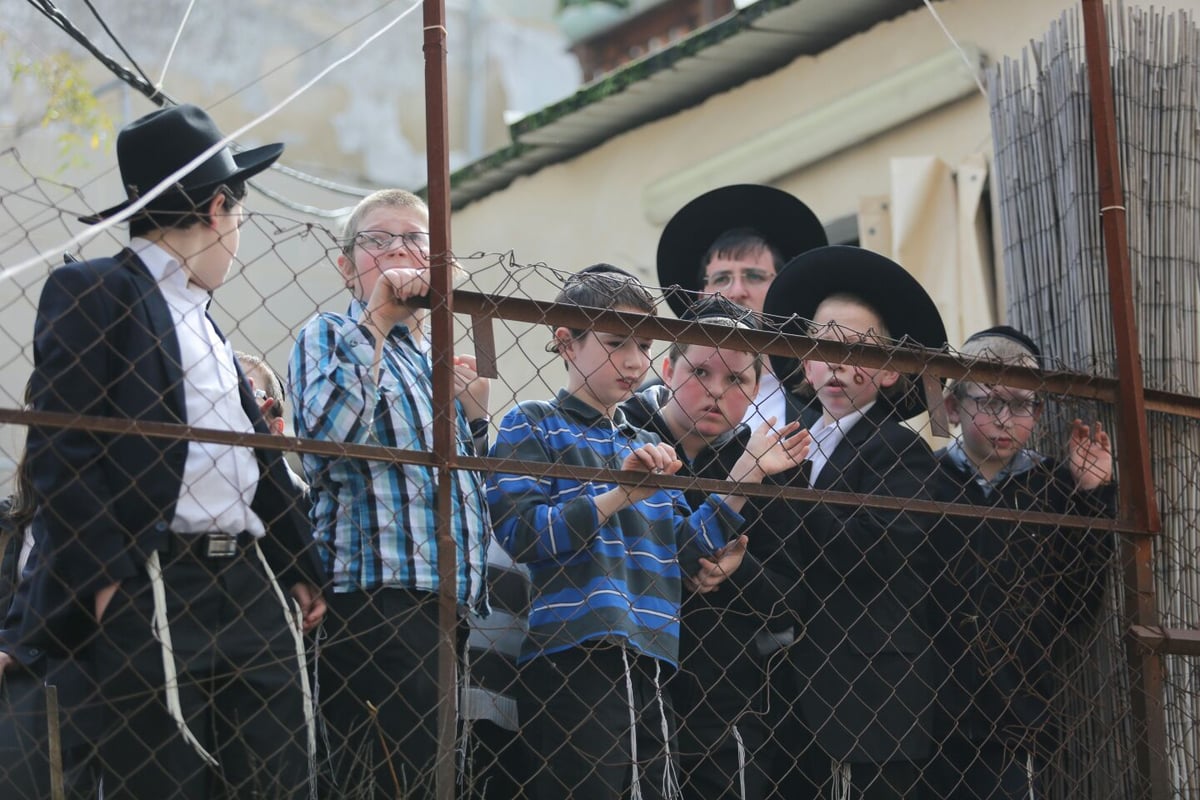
(1011, 591)
(863, 660)
(158, 556)
(718, 689)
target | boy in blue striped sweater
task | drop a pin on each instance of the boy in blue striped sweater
(607, 561)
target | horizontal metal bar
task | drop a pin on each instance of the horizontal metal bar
(1169, 641)
(903, 359)
(129, 427)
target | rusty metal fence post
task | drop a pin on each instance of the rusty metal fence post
(1137, 501)
(440, 297)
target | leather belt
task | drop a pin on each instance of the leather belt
(209, 545)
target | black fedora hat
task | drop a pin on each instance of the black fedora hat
(909, 313)
(782, 220)
(154, 146)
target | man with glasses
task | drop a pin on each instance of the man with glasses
(1011, 590)
(732, 241)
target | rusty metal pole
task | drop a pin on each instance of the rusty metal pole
(1138, 503)
(442, 329)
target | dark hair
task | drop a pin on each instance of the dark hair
(602, 286)
(271, 385)
(178, 215)
(739, 243)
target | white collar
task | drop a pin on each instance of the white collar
(168, 272)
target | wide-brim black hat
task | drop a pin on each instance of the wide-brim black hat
(786, 223)
(154, 146)
(908, 312)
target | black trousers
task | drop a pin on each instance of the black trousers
(575, 712)
(722, 759)
(987, 771)
(24, 731)
(499, 763)
(381, 653)
(239, 686)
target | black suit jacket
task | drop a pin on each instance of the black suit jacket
(864, 659)
(105, 345)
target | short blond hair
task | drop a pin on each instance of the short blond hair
(384, 198)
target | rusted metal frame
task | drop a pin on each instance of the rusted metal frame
(442, 352)
(1173, 641)
(913, 360)
(1137, 501)
(110, 425)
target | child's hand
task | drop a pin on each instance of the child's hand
(388, 302)
(714, 571)
(656, 459)
(1089, 457)
(470, 389)
(771, 451)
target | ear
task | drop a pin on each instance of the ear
(668, 370)
(953, 409)
(345, 267)
(886, 378)
(216, 207)
(276, 426)
(564, 339)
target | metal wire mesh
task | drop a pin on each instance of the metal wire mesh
(900, 623)
(868, 621)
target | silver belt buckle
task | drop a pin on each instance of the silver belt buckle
(221, 545)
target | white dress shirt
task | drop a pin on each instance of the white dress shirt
(826, 436)
(219, 481)
(769, 402)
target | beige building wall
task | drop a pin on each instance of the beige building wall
(591, 208)
(588, 209)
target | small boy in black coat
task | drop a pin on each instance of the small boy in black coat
(1011, 590)
(864, 660)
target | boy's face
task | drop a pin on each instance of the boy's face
(744, 281)
(996, 421)
(209, 268)
(711, 389)
(375, 250)
(843, 389)
(604, 369)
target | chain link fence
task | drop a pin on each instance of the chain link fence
(897, 626)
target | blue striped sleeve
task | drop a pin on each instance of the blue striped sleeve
(528, 520)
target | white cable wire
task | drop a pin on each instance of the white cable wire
(171, 52)
(171, 179)
(974, 68)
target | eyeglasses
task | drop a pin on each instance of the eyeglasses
(750, 277)
(383, 241)
(996, 405)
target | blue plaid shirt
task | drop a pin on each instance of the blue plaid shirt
(376, 520)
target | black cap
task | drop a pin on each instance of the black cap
(1010, 333)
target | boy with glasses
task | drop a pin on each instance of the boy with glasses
(365, 377)
(1011, 590)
